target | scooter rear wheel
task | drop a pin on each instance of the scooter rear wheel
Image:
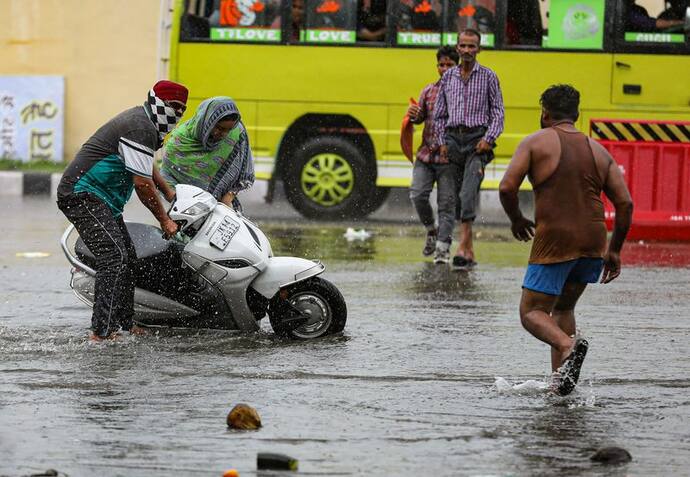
(321, 301)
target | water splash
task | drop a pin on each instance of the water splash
(584, 396)
(531, 386)
(581, 397)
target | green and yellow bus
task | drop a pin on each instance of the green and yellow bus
(323, 85)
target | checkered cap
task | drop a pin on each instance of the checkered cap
(164, 117)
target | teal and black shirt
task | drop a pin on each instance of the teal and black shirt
(106, 162)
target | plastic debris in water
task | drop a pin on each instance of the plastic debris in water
(48, 473)
(352, 234)
(611, 455)
(269, 461)
(32, 254)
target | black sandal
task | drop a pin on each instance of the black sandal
(462, 263)
(569, 371)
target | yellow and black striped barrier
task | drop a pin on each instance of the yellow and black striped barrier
(646, 131)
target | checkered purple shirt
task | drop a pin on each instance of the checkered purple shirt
(475, 102)
(427, 153)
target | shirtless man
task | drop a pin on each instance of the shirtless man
(568, 172)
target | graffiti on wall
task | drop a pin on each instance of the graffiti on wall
(7, 127)
(31, 118)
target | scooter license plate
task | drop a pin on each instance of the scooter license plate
(224, 233)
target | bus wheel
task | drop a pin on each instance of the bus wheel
(328, 178)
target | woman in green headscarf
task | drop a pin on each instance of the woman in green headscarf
(210, 151)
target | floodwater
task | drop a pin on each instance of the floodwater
(410, 388)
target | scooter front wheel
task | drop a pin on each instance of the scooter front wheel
(318, 300)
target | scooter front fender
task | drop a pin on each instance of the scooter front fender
(284, 271)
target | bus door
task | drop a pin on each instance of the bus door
(648, 134)
(651, 64)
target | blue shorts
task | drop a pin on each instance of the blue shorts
(551, 277)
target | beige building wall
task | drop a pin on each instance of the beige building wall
(106, 50)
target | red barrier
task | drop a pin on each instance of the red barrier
(656, 254)
(658, 176)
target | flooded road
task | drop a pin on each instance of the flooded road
(408, 389)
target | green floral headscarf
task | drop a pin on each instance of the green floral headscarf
(190, 156)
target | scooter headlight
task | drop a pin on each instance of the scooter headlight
(197, 209)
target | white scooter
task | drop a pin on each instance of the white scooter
(220, 273)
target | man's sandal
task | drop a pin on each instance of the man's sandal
(567, 375)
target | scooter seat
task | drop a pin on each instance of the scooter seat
(148, 242)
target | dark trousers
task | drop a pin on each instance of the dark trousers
(471, 165)
(108, 240)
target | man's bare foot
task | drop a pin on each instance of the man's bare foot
(94, 338)
(138, 330)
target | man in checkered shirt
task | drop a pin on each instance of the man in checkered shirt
(430, 167)
(468, 119)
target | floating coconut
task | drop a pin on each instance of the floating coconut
(243, 416)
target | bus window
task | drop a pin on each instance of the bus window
(476, 14)
(524, 23)
(296, 20)
(330, 21)
(232, 21)
(194, 22)
(653, 22)
(371, 20)
(418, 22)
(559, 24)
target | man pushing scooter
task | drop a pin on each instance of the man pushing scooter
(97, 184)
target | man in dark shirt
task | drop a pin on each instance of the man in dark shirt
(677, 10)
(371, 20)
(97, 184)
(638, 20)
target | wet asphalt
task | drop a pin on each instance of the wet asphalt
(422, 381)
